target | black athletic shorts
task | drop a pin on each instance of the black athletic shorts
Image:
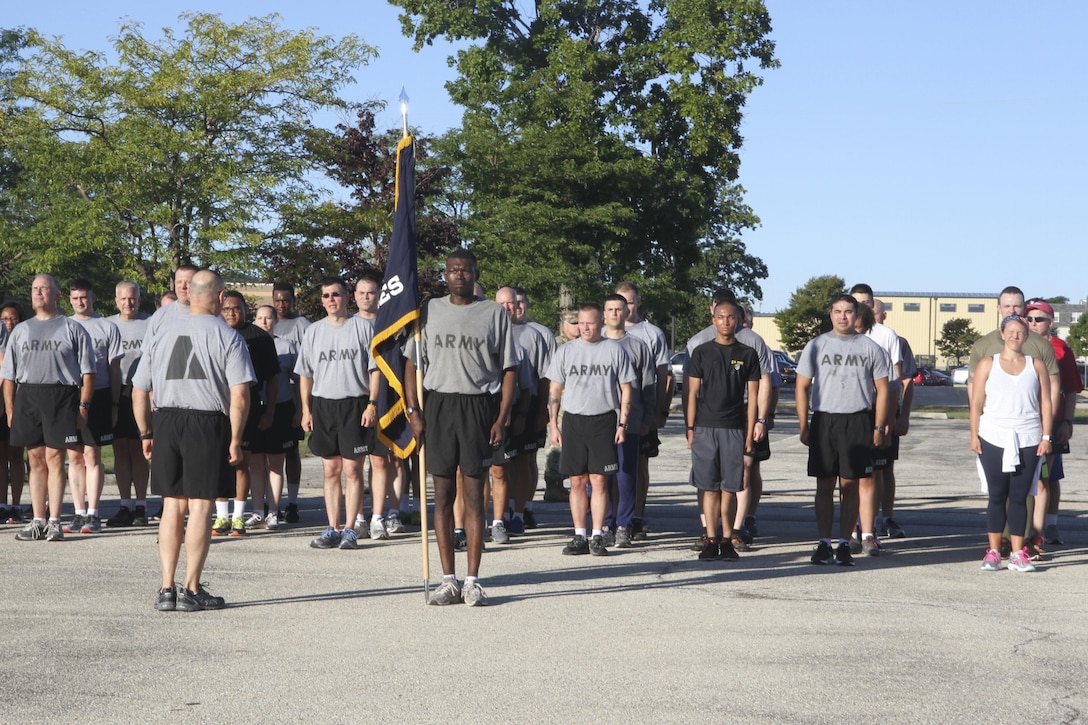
(458, 433)
(99, 429)
(761, 450)
(126, 427)
(884, 457)
(840, 444)
(45, 415)
(338, 428)
(190, 454)
(649, 445)
(589, 444)
(280, 436)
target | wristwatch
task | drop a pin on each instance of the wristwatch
(409, 410)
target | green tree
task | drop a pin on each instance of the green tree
(1059, 300)
(600, 142)
(808, 313)
(189, 147)
(957, 337)
(1078, 336)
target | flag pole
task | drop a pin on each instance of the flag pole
(424, 524)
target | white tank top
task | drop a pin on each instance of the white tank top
(1011, 406)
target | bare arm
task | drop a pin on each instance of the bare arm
(239, 409)
(625, 413)
(977, 398)
(305, 390)
(801, 394)
(555, 395)
(692, 386)
(141, 411)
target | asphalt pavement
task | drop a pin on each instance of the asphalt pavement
(649, 634)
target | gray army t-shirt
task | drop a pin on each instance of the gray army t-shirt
(466, 348)
(591, 375)
(106, 341)
(337, 358)
(644, 387)
(843, 370)
(192, 363)
(133, 334)
(56, 351)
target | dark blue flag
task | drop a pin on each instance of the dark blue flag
(398, 309)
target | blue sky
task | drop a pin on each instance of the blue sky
(917, 146)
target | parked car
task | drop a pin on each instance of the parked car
(929, 376)
(787, 367)
(677, 362)
(959, 375)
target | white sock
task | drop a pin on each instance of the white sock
(239, 509)
(92, 512)
(222, 509)
(598, 532)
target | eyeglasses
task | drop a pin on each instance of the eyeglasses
(231, 309)
(1037, 319)
(329, 295)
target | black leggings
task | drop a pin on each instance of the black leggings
(1012, 487)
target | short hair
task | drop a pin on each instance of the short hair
(615, 297)
(1011, 290)
(330, 281)
(867, 317)
(283, 287)
(235, 295)
(370, 276)
(80, 284)
(594, 306)
(843, 297)
(737, 309)
(863, 288)
(462, 253)
(189, 267)
(722, 294)
(626, 286)
(127, 283)
(12, 304)
(266, 307)
(520, 292)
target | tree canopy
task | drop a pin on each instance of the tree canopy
(188, 148)
(808, 313)
(957, 337)
(600, 142)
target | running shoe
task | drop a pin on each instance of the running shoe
(750, 524)
(377, 530)
(895, 531)
(727, 549)
(700, 543)
(870, 545)
(221, 526)
(597, 547)
(447, 593)
(638, 530)
(823, 554)
(855, 545)
(237, 526)
(31, 532)
(190, 601)
(393, 523)
(460, 540)
(609, 537)
(91, 525)
(517, 526)
(123, 517)
(498, 533)
(992, 560)
(529, 518)
(166, 600)
(623, 540)
(291, 515)
(1020, 561)
(272, 521)
(53, 531)
(473, 594)
(843, 557)
(738, 543)
(254, 521)
(577, 546)
(329, 539)
(139, 516)
(74, 526)
(1050, 535)
(743, 534)
(349, 539)
(710, 550)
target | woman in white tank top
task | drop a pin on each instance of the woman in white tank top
(1010, 431)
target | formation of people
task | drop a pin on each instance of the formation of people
(210, 407)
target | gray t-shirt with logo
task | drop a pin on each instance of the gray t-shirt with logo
(466, 348)
(293, 328)
(192, 363)
(591, 374)
(133, 333)
(534, 349)
(337, 358)
(106, 339)
(843, 369)
(57, 351)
